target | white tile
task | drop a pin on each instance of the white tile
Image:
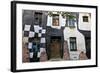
(40, 28)
(42, 49)
(25, 39)
(31, 54)
(38, 54)
(39, 34)
(31, 34)
(43, 31)
(27, 28)
(42, 40)
(36, 28)
(29, 45)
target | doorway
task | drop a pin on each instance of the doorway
(88, 47)
(55, 47)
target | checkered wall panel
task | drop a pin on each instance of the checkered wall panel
(29, 33)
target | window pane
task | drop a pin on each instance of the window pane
(55, 20)
(71, 22)
(85, 18)
(73, 44)
(38, 18)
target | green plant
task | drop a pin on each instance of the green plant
(68, 15)
(50, 13)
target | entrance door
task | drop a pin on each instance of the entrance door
(88, 47)
(55, 48)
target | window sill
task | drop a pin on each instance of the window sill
(71, 26)
(73, 50)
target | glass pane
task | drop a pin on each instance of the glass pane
(85, 18)
(73, 44)
(38, 18)
(71, 22)
(55, 20)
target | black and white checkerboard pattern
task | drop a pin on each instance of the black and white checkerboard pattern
(29, 32)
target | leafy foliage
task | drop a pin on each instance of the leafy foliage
(50, 13)
(68, 15)
(64, 14)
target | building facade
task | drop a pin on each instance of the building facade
(54, 36)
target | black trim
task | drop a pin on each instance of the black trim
(54, 4)
(96, 35)
(56, 68)
(13, 35)
(75, 49)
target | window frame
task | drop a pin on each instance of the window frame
(55, 15)
(85, 18)
(73, 42)
(38, 15)
(72, 21)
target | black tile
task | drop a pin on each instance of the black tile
(30, 39)
(26, 33)
(30, 50)
(40, 31)
(32, 28)
(43, 35)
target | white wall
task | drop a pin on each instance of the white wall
(68, 32)
(80, 41)
(5, 37)
(84, 25)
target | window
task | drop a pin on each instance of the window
(55, 20)
(85, 19)
(38, 18)
(70, 22)
(73, 44)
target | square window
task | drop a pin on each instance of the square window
(85, 19)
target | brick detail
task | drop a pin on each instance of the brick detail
(66, 51)
(43, 56)
(82, 56)
(25, 54)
